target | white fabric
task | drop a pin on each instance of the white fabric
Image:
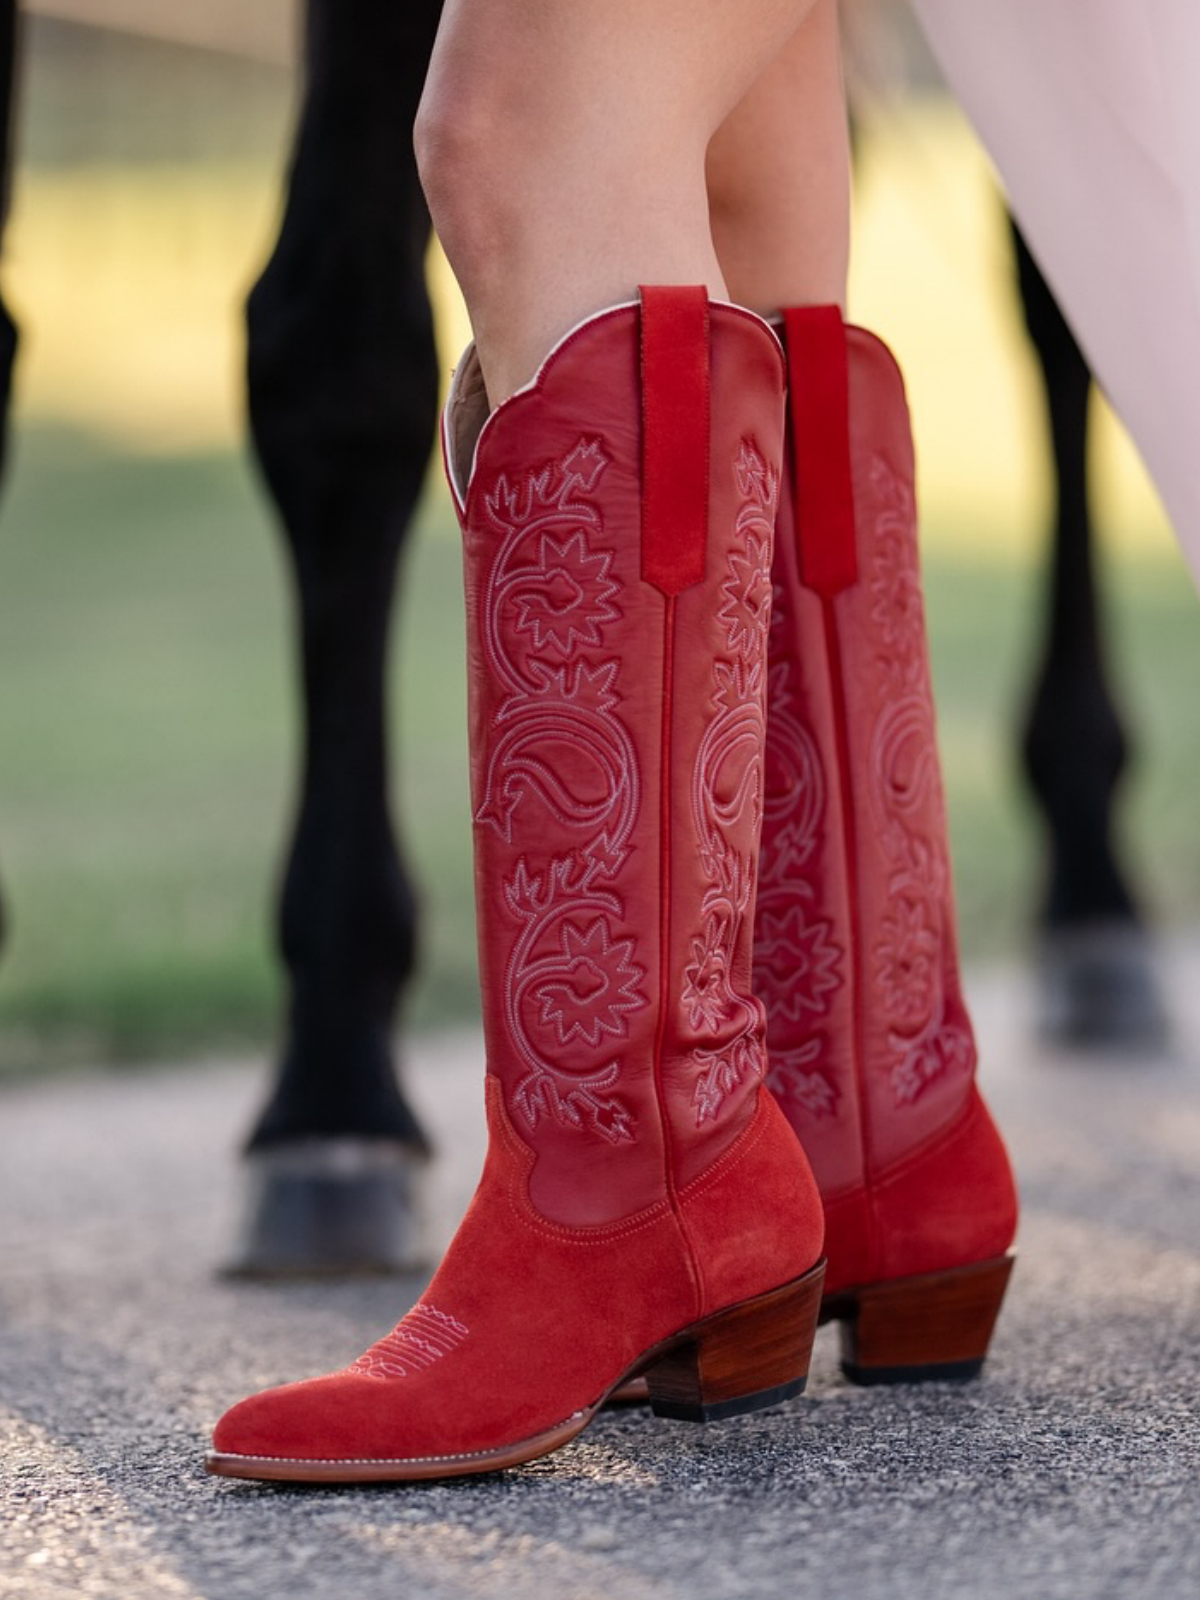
(1090, 110)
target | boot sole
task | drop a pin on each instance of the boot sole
(743, 1359)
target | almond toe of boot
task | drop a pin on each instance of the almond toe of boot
(342, 1427)
(345, 1427)
(332, 1418)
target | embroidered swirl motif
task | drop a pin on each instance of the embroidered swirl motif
(557, 745)
(905, 789)
(797, 962)
(726, 801)
(416, 1342)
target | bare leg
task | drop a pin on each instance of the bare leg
(563, 152)
(779, 177)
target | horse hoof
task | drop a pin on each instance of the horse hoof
(322, 1208)
(1098, 989)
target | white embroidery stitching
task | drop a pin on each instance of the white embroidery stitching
(572, 977)
(798, 964)
(905, 787)
(727, 800)
(419, 1339)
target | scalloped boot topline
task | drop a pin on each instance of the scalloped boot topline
(644, 1207)
(871, 1049)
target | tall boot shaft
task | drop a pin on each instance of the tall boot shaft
(872, 1053)
(618, 581)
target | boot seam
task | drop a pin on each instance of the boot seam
(666, 865)
(931, 1146)
(515, 1187)
(603, 1234)
(738, 1151)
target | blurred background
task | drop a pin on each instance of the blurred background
(147, 710)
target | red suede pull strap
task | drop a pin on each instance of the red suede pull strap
(675, 437)
(818, 386)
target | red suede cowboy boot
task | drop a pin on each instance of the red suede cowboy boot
(644, 1207)
(871, 1051)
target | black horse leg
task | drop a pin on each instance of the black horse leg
(8, 329)
(343, 400)
(1097, 984)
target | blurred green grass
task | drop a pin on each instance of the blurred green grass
(147, 716)
(147, 742)
(984, 616)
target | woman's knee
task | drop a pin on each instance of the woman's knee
(480, 164)
(461, 171)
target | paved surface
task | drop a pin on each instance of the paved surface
(1072, 1469)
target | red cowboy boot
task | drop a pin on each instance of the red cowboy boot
(871, 1051)
(644, 1206)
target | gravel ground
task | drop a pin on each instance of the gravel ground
(1072, 1469)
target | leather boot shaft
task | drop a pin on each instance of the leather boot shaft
(872, 1053)
(617, 622)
